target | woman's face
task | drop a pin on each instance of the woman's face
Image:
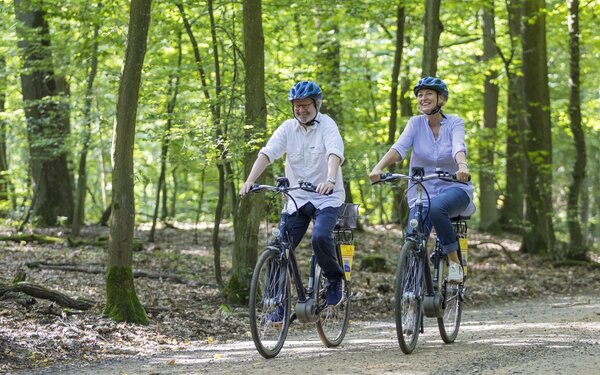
(428, 99)
(304, 110)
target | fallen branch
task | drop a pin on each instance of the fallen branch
(32, 237)
(504, 250)
(96, 268)
(136, 245)
(43, 293)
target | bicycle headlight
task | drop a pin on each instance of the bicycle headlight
(275, 232)
(413, 223)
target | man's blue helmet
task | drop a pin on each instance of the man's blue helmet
(432, 83)
(305, 89)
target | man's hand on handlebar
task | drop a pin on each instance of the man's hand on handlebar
(375, 175)
(246, 188)
(325, 188)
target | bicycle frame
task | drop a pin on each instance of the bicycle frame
(431, 296)
(306, 307)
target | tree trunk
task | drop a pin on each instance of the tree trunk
(251, 208)
(172, 92)
(399, 208)
(539, 237)
(393, 123)
(432, 29)
(488, 217)
(577, 249)
(4, 179)
(221, 136)
(328, 59)
(47, 115)
(223, 165)
(512, 213)
(122, 303)
(79, 209)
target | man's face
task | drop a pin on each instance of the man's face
(304, 110)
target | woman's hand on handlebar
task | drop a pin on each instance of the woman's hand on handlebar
(463, 173)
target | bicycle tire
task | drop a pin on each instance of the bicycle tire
(449, 322)
(265, 300)
(407, 303)
(332, 322)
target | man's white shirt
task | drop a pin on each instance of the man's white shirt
(308, 152)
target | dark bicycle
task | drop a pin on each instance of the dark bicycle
(418, 289)
(277, 267)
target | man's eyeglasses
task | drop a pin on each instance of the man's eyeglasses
(302, 106)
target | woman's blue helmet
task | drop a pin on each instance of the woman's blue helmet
(305, 89)
(432, 83)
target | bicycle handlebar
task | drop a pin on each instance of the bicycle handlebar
(306, 186)
(284, 189)
(442, 175)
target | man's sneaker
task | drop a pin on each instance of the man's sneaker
(276, 317)
(455, 273)
(335, 292)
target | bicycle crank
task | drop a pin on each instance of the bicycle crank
(307, 311)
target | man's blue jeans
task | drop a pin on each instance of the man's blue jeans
(450, 203)
(323, 244)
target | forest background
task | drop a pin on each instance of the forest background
(213, 79)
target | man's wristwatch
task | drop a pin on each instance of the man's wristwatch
(331, 181)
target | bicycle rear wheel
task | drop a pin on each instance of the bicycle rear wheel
(408, 312)
(332, 322)
(449, 323)
(270, 303)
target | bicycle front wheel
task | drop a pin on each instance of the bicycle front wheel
(270, 303)
(408, 312)
(332, 322)
(449, 323)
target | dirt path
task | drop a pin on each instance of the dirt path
(551, 335)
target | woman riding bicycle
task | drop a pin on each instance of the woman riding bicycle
(315, 151)
(438, 142)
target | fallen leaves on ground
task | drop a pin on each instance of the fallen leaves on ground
(36, 333)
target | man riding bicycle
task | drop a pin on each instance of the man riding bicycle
(437, 141)
(315, 151)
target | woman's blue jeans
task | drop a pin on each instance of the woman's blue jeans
(323, 244)
(449, 203)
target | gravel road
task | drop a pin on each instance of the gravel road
(554, 335)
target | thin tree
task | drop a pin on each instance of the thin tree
(513, 208)
(4, 180)
(80, 191)
(399, 208)
(166, 136)
(539, 237)
(577, 249)
(488, 196)
(122, 303)
(224, 168)
(251, 208)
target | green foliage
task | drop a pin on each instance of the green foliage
(365, 32)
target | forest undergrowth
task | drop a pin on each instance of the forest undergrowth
(183, 301)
